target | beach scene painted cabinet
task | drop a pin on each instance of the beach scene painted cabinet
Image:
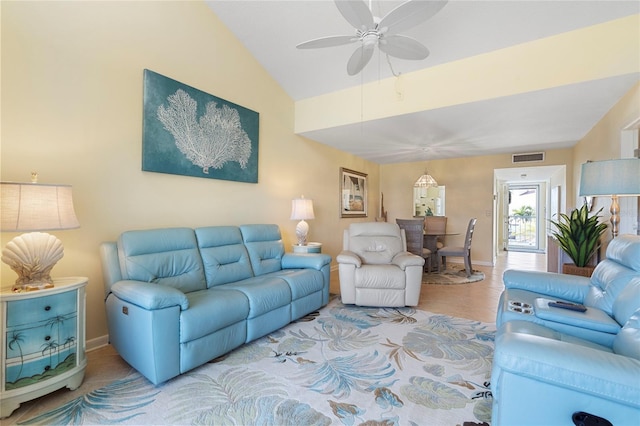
(43, 341)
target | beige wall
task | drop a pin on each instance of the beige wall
(469, 193)
(72, 110)
(603, 142)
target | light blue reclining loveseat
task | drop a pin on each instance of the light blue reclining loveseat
(179, 297)
(552, 364)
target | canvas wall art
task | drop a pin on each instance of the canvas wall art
(353, 193)
(189, 132)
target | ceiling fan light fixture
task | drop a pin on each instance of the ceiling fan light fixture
(371, 31)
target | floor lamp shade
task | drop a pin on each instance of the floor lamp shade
(302, 209)
(34, 207)
(611, 178)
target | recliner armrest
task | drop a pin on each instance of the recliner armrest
(567, 365)
(349, 257)
(404, 259)
(568, 287)
(305, 260)
(149, 296)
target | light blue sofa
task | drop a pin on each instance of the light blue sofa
(551, 363)
(179, 297)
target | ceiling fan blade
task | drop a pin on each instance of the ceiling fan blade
(402, 47)
(359, 59)
(327, 42)
(356, 12)
(409, 14)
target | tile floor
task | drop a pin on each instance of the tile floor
(476, 301)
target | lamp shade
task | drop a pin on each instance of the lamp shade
(425, 181)
(611, 177)
(302, 209)
(37, 207)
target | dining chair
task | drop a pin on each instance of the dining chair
(414, 230)
(436, 224)
(464, 252)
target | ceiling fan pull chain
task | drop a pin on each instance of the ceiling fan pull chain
(391, 66)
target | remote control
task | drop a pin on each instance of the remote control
(568, 305)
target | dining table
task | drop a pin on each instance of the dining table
(430, 241)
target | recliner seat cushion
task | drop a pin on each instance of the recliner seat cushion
(302, 282)
(264, 293)
(211, 310)
(380, 277)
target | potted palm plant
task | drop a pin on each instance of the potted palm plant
(578, 234)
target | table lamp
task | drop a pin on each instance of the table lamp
(35, 207)
(302, 209)
(611, 178)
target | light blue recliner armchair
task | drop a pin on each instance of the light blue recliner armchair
(179, 297)
(552, 364)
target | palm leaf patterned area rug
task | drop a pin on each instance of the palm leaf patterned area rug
(343, 365)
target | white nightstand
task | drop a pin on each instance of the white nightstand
(43, 337)
(309, 248)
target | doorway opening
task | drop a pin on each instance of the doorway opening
(523, 217)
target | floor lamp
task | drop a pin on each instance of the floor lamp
(611, 178)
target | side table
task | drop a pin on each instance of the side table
(309, 248)
(43, 337)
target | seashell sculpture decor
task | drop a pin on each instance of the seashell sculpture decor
(32, 256)
(35, 207)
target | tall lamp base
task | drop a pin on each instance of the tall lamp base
(302, 229)
(615, 215)
(32, 256)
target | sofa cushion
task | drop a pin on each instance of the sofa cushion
(224, 256)
(625, 250)
(162, 256)
(211, 310)
(608, 279)
(302, 282)
(265, 247)
(628, 301)
(264, 293)
(627, 342)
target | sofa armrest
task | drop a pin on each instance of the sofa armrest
(350, 258)
(149, 296)
(305, 261)
(571, 366)
(404, 259)
(568, 287)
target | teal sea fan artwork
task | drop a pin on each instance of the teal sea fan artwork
(187, 131)
(211, 141)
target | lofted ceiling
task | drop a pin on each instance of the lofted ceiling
(507, 76)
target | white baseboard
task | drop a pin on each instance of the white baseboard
(98, 342)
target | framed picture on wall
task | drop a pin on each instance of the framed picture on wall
(353, 193)
(190, 132)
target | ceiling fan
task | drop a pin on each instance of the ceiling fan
(372, 31)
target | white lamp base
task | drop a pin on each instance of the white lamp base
(302, 229)
(32, 256)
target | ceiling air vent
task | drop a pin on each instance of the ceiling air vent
(528, 157)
